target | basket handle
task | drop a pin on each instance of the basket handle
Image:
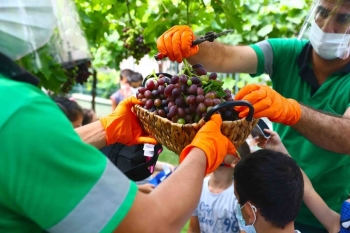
(151, 75)
(230, 104)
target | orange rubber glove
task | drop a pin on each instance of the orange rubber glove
(268, 103)
(123, 126)
(215, 145)
(176, 43)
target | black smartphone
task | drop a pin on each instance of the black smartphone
(259, 129)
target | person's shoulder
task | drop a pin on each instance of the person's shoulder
(17, 95)
(289, 43)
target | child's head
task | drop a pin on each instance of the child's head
(270, 183)
(89, 116)
(125, 75)
(71, 109)
(135, 81)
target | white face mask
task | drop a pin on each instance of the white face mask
(134, 91)
(329, 45)
(25, 26)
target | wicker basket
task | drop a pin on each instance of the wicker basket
(177, 136)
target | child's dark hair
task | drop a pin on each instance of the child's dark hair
(125, 73)
(273, 182)
(135, 77)
(70, 108)
(87, 116)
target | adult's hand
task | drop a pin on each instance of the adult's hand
(210, 140)
(269, 103)
(123, 126)
(176, 43)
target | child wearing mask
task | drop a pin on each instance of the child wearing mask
(327, 217)
(216, 208)
(124, 91)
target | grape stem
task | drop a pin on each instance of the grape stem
(187, 68)
(154, 74)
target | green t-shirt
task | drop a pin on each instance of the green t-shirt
(329, 172)
(49, 179)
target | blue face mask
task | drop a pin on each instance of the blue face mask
(241, 221)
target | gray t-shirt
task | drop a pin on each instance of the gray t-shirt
(216, 212)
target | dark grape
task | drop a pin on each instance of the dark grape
(170, 104)
(181, 112)
(199, 99)
(161, 81)
(149, 104)
(176, 93)
(143, 101)
(140, 96)
(161, 96)
(157, 102)
(161, 113)
(152, 109)
(155, 93)
(177, 85)
(161, 89)
(193, 108)
(150, 84)
(201, 71)
(164, 102)
(229, 99)
(180, 101)
(192, 89)
(183, 88)
(174, 79)
(200, 91)
(172, 111)
(148, 94)
(191, 99)
(216, 101)
(166, 109)
(187, 111)
(142, 90)
(183, 79)
(195, 80)
(213, 76)
(208, 102)
(168, 90)
(196, 66)
(188, 119)
(170, 99)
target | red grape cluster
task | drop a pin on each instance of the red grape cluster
(134, 43)
(187, 97)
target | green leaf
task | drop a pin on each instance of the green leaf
(265, 30)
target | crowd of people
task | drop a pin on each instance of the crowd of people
(54, 177)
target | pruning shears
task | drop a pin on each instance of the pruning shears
(209, 36)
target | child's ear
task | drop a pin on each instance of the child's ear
(251, 211)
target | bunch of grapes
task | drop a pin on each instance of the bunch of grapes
(77, 74)
(134, 43)
(185, 98)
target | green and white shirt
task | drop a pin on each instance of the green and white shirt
(287, 61)
(49, 179)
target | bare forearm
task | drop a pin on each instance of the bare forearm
(93, 134)
(217, 57)
(328, 132)
(169, 206)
